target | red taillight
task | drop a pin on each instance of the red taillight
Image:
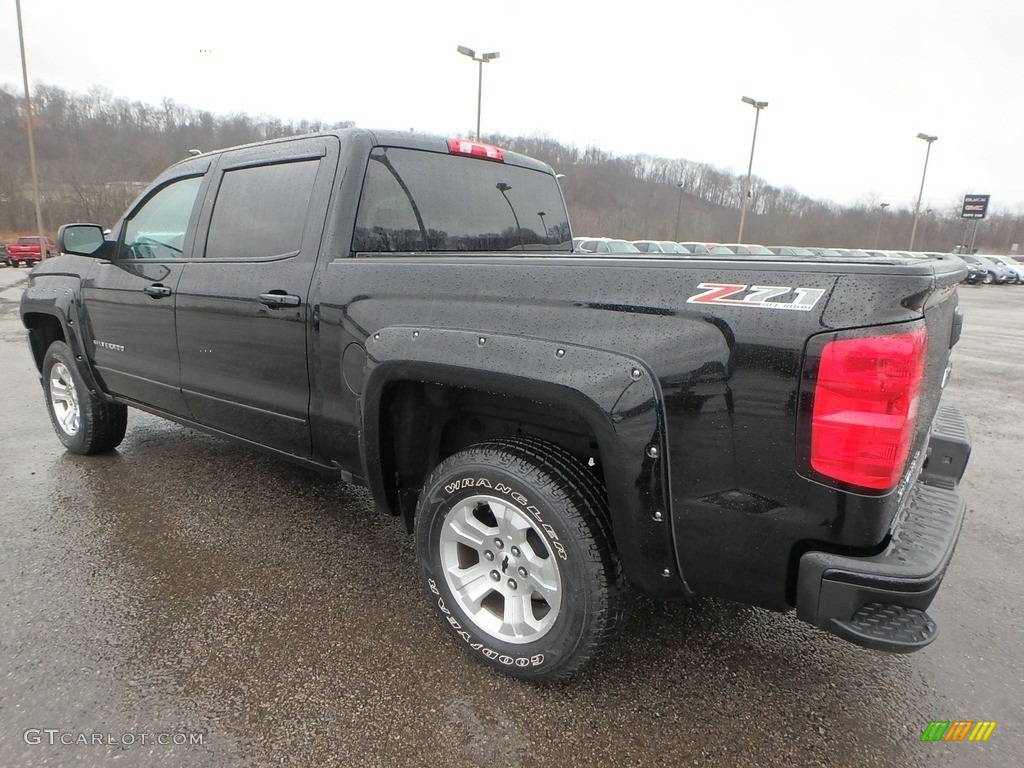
(475, 149)
(865, 404)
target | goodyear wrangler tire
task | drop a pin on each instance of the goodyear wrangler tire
(514, 548)
(83, 422)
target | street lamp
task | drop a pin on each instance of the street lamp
(679, 207)
(31, 140)
(758, 106)
(483, 58)
(920, 193)
(924, 224)
(881, 215)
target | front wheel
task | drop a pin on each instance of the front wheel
(515, 551)
(83, 422)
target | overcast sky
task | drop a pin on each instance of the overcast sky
(849, 83)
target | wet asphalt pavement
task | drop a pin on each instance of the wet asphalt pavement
(185, 590)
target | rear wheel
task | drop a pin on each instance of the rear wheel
(83, 422)
(514, 547)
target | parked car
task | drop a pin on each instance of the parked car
(997, 273)
(698, 249)
(975, 274)
(27, 251)
(659, 246)
(790, 250)
(605, 245)
(740, 249)
(1014, 266)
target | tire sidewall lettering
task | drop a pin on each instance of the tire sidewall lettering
(559, 501)
(454, 489)
(446, 497)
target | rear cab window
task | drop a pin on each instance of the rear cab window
(420, 201)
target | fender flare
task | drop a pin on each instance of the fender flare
(57, 296)
(617, 395)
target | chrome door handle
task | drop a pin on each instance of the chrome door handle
(275, 300)
(156, 290)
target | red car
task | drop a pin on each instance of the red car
(26, 251)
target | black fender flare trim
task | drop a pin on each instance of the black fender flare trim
(57, 296)
(615, 394)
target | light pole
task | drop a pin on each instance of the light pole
(920, 193)
(504, 188)
(31, 140)
(679, 208)
(758, 106)
(483, 58)
(924, 224)
(881, 215)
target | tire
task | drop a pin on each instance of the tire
(514, 547)
(988, 279)
(84, 423)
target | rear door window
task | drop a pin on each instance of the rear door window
(261, 210)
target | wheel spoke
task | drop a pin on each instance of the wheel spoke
(468, 530)
(544, 575)
(512, 523)
(471, 586)
(519, 619)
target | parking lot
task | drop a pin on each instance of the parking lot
(184, 601)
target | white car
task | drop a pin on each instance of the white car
(659, 246)
(603, 245)
(1015, 266)
(740, 249)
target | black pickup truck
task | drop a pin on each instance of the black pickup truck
(562, 432)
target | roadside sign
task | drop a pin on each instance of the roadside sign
(975, 206)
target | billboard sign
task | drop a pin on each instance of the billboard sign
(975, 206)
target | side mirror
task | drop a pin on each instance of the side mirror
(81, 240)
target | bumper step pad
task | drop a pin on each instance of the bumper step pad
(886, 627)
(879, 602)
(949, 448)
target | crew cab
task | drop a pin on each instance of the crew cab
(27, 251)
(562, 432)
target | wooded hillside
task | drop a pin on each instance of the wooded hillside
(96, 152)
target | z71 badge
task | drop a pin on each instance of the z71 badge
(763, 296)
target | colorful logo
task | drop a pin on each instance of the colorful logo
(958, 730)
